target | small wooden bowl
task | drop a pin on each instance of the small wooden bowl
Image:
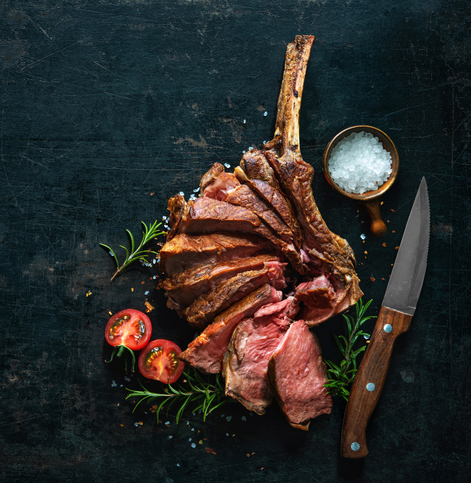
(369, 199)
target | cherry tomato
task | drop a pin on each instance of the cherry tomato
(159, 361)
(129, 328)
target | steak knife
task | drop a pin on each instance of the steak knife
(394, 318)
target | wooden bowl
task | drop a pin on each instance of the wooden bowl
(370, 199)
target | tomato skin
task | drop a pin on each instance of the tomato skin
(129, 328)
(159, 361)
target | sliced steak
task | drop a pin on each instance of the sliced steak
(184, 251)
(275, 198)
(328, 253)
(205, 308)
(226, 187)
(185, 287)
(265, 207)
(256, 167)
(209, 177)
(319, 299)
(246, 360)
(221, 185)
(206, 352)
(297, 374)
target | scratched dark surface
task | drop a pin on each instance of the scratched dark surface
(110, 108)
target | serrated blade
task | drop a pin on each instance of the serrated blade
(407, 276)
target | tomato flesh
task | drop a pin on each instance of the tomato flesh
(130, 328)
(159, 361)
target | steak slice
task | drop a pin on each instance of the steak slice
(184, 251)
(183, 288)
(209, 177)
(246, 360)
(226, 187)
(273, 196)
(206, 352)
(206, 215)
(205, 308)
(319, 298)
(297, 374)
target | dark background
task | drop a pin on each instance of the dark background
(110, 108)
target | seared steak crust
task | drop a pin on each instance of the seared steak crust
(183, 288)
(203, 310)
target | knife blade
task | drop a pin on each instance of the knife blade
(394, 318)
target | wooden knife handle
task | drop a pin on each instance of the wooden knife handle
(369, 381)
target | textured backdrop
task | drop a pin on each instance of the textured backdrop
(107, 110)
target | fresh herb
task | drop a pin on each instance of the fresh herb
(119, 351)
(203, 393)
(341, 376)
(149, 233)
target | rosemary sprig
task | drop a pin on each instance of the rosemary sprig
(195, 390)
(149, 232)
(341, 376)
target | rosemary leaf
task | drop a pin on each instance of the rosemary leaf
(340, 377)
(205, 394)
(136, 253)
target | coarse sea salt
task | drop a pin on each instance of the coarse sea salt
(359, 163)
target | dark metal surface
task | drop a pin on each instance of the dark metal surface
(407, 276)
(110, 108)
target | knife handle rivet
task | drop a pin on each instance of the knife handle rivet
(355, 446)
(370, 387)
(387, 328)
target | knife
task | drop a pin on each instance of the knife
(394, 318)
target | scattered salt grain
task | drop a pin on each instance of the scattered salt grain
(359, 163)
(362, 236)
(181, 193)
(243, 418)
(227, 165)
(146, 292)
(245, 121)
(113, 384)
(170, 437)
(228, 418)
(265, 113)
(196, 190)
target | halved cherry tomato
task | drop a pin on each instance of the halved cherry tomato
(159, 361)
(129, 328)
